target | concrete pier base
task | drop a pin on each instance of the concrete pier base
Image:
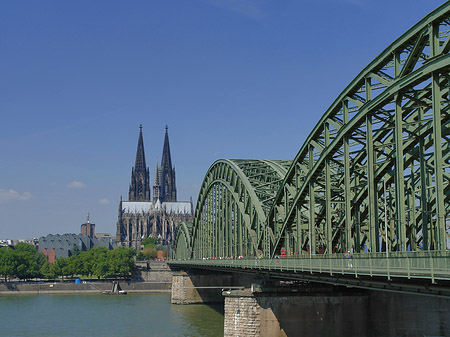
(334, 314)
(266, 314)
(192, 288)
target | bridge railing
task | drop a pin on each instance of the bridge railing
(429, 265)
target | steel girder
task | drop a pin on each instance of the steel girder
(232, 207)
(375, 168)
(182, 243)
(372, 176)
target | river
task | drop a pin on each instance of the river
(97, 315)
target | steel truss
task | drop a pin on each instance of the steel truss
(373, 175)
(232, 207)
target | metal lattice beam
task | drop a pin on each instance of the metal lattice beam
(373, 175)
(395, 126)
(232, 207)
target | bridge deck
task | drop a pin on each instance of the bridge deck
(410, 265)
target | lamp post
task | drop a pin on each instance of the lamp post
(385, 218)
(310, 244)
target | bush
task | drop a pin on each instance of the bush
(149, 242)
(150, 253)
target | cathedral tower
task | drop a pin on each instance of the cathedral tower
(140, 175)
(165, 185)
(140, 217)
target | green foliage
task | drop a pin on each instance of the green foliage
(25, 247)
(150, 253)
(100, 262)
(75, 250)
(149, 242)
(49, 270)
(140, 256)
(8, 263)
(122, 261)
(22, 261)
(25, 262)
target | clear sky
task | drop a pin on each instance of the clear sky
(231, 78)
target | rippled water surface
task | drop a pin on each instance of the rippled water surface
(97, 315)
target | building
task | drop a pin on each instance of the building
(109, 236)
(31, 241)
(56, 246)
(88, 228)
(142, 216)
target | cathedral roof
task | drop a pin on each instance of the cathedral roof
(176, 207)
(137, 206)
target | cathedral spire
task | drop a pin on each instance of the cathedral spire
(140, 155)
(140, 175)
(157, 174)
(166, 174)
(166, 160)
(156, 186)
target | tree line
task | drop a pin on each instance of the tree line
(25, 262)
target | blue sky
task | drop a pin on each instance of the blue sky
(231, 79)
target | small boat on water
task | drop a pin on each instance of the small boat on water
(116, 290)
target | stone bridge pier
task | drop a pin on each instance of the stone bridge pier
(192, 286)
(199, 287)
(334, 314)
(254, 306)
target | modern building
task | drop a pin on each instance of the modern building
(55, 245)
(6, 243)
(31, 241)
(142, 216)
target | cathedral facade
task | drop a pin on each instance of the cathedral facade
(143, 216)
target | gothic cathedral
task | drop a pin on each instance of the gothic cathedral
(141, 216)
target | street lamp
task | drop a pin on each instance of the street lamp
(385, 218)
(310, 243)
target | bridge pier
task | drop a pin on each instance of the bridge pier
(334, 314)
(263, 314)
(199, 287)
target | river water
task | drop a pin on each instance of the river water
(97, 315)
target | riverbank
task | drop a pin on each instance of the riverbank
(34, 288)
(150, 277)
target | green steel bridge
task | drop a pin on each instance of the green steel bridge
(372, 179)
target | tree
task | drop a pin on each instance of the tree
(25, 247)
(75, 250)
(140, 256)
(121, 261)
(149, 242)
(48, 270)
(100, 265)
(150, 253)
(73, 266)
(26, 264)
(8, 262)
(28, 261)
(23, 261)
(96, 261)
(86, 260)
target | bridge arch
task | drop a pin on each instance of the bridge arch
(232, 207)
(183, 241)
(374, 171)
(372, 176)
